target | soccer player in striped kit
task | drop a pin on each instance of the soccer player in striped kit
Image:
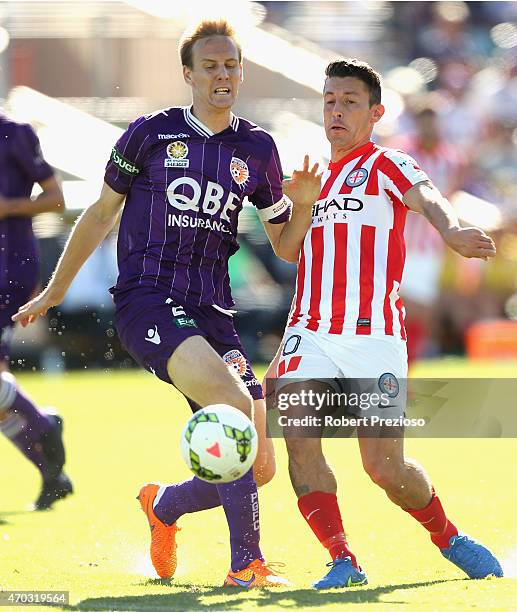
(347, 319)
(183, 174)
(36, 433)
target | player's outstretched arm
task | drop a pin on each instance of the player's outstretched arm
(89, 231)
(49, 200)
(303, 189)
(467, 241)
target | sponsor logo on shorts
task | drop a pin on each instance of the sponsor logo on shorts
(153, 335)
(123, 164)
(239, 171)
(177, 152)
(236, 360)
(182, 322)
(180, 317)
(389, 384)
(356, 177)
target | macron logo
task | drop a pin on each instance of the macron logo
(172, 136)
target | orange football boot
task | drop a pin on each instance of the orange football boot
(257, 575)
(163, 537)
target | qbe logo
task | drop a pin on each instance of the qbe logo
(185, 193)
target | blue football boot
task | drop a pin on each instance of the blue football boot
(473, 558)
(342, 574)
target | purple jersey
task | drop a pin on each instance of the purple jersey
(21, 165)
(185, 187)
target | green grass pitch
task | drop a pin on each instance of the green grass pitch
(122, 430)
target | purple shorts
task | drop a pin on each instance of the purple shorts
(151, 326)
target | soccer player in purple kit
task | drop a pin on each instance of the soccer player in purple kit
(36, 433)
(183, 173)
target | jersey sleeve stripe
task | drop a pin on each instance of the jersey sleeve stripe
(396, 175)
(366, 277)
(316, 278)
(339, 285)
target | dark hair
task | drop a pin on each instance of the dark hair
(205, 29)
(359, 70)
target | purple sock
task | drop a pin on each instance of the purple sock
(192, 495)
(23, 424)
(241, 506)
(240, 502)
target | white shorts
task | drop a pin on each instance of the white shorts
(376, 364)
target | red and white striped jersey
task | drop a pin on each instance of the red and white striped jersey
(351, 262)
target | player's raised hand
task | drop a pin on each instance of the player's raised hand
(470, 242)
(37, 307)
(304, 187)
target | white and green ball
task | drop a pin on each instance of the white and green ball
(219, 443)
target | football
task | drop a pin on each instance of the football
(219, 443)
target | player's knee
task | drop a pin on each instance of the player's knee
(232, 393)
(382, 472)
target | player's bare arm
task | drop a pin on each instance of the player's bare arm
(467, 241)
(49, 200)
(302, 189)
(89, 231)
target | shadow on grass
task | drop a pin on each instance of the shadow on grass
(15, 513)
(188, 597)
(5, 515)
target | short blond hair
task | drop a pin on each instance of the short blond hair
(205, 29)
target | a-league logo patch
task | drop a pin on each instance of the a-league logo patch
(389, 384)
(177, 152)
(356, 177)
(236, 360)
(239, 171)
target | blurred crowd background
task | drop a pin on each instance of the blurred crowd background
(79, 71)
